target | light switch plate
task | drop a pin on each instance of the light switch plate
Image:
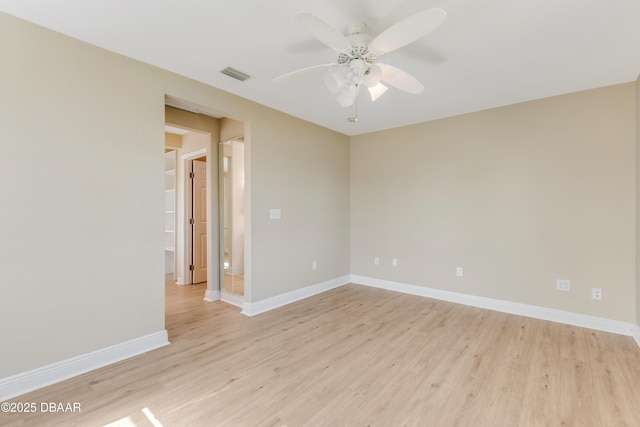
(275, 214)
(563, 285)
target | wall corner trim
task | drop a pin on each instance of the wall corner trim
(25, 382)
(536, 312)
(255, 308)
(212, 295)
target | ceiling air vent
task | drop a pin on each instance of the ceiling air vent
(232, 72)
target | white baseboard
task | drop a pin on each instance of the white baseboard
(233, 299)
(252, 309)
(212, 295)
(25, 382)
(575, 319)
(636, 334)
(222, 295)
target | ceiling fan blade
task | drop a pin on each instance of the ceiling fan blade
(304, 72)
(400, 79)
(408, 30)
(324, 32)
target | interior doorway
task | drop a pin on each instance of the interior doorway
(187, 206)
(182, 116)
(232, 220)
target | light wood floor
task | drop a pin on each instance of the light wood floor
(358, 356)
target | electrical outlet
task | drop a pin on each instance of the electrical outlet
(459, 271)
(394, 262)
(376, 261)
(314, 265)
(563, 285)
(596, 293)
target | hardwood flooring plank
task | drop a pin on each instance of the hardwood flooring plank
(609, 380)
(357, 356)
(542, 392)
(581, 408)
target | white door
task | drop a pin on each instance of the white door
(199, 221)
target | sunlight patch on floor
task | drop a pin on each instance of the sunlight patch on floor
(151, 417)
(124, 422)
(129, 422)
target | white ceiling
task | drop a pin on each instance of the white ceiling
(488, 53)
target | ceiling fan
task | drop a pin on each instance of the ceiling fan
(357, 64)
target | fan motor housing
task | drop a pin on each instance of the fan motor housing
(359, 50)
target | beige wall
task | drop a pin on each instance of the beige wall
(192, 121)
(304, 171)
(172, 141)
(81, 173)
(518, 196)
(231, 129)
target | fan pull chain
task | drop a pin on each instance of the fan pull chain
(355, 118)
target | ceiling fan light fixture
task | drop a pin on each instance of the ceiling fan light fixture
(347, 95)
(372, 76)
(334, 80)
(358, 66)
(377, 91)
